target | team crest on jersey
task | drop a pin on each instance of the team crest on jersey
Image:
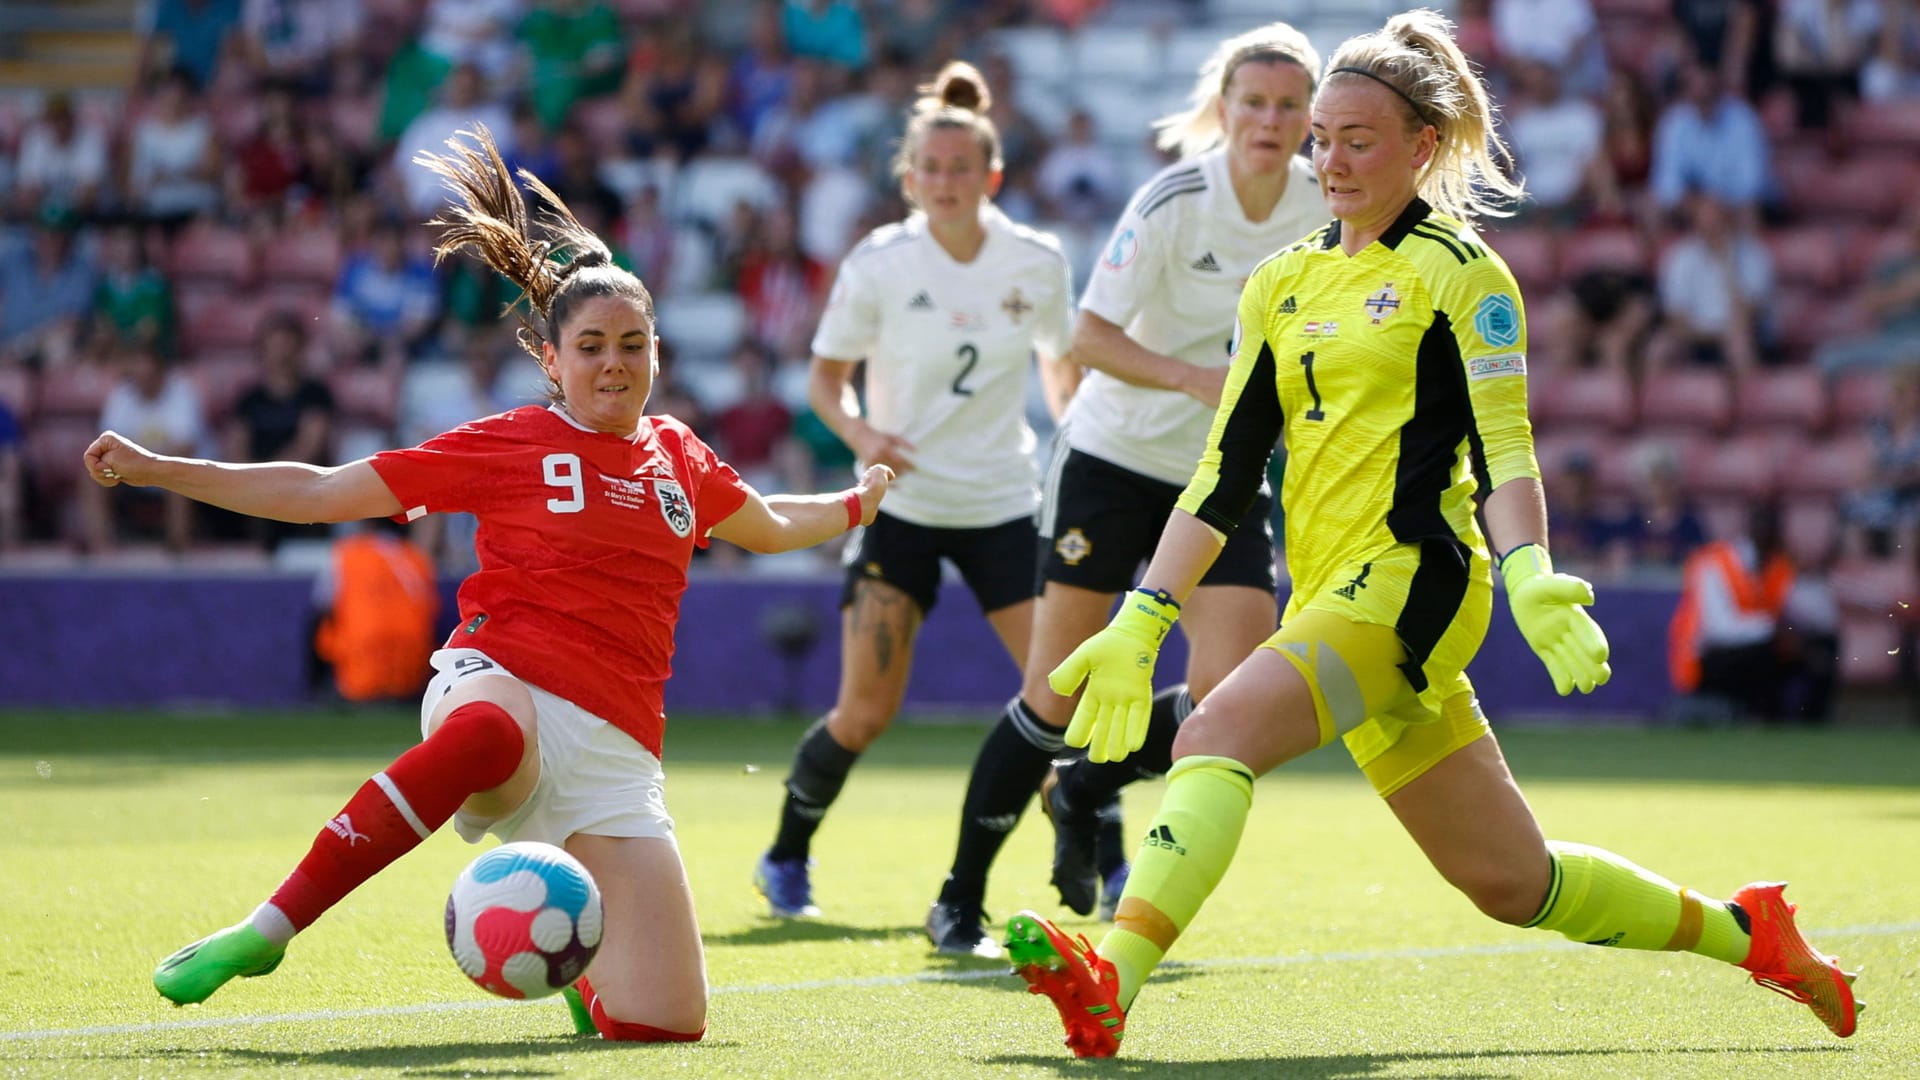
(1015, 305)
(1121, 252)
(674, 506)
(1382, 304)
(1073, 547)
(1498, 321)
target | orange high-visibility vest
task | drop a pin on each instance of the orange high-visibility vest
(380, 632)
(1765, 593)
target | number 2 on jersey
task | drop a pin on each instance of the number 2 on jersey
(563, 471)
(1315, 413)
(972, 356)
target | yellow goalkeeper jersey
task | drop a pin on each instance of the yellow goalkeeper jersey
(1390, 373)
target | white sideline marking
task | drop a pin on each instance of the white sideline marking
(1359, 956)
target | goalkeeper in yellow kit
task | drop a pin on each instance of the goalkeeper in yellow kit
(1389, 348)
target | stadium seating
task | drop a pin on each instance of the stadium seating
(75, 390)
(1580, 400)
(1842, 463)
(1858, 398)
(1746, 466)
(1685, 400)
(1806, 256)
(1603, 249)
(211, 252)
(19, 390)
(1793, 397)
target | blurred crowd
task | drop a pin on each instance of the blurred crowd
(1720, 252)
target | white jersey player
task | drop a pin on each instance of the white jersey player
(1155, 328)
(946, 309)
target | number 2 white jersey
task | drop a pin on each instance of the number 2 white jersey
(1171, 277)
(948, 348)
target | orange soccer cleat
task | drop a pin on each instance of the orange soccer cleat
(1081, 984)
(1782, 961)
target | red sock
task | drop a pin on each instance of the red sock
(620, 1031)
(476, 748)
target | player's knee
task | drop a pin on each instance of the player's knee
(1509, 894)
(855, 725)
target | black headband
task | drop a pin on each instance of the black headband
(1418, 112)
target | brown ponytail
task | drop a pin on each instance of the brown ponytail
(956, 98)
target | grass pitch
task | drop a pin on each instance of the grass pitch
(1331, 950)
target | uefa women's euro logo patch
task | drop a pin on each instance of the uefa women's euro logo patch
(1498, 321)
(1121, 252)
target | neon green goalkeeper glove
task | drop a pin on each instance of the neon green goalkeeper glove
(1551, 611)
(1117, 666)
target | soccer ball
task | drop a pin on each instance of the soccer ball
(524, 920)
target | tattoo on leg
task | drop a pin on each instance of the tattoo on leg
(882, 607)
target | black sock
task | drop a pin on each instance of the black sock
(820, 768)
(1109, 838)
(1084, 783)
(1014, 758)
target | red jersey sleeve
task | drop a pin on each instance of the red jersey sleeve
(449, 472)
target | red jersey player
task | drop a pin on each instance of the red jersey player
(543, 720)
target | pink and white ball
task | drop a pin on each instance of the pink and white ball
(524, 920)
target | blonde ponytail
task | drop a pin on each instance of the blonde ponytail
(1415, 55)
(1196, 129)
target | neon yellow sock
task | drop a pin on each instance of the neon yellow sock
(1599, 898)
(1183, 858)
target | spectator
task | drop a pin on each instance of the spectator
(1710, 140)
(1820, 47)
(378, 602)
(386, 300)
(46, 291)
(830, 30)
(1731, 637)
(331, 172)
(133, 304)
(174, 162)
(287, 416)
(472, 32)
(1079, 178)
(1559, 140)
(782, 286)
(188, 36)
(754, 431)
(676, 98)
(573, 49)
(1666, 527)
(1893, 74)
(160, 408)
(1715, 285)
(462, 105)
(1587, 533)
(1891, 299)
(1561, 34)
(1628, 115)
(1603, 319)
(264, 169)
(915, 28)
(1887, 511)
(61, 161)
(762, 74)
(12, 481)
(1724, 36)
(298, 42)
(646, 239)
(575, 176)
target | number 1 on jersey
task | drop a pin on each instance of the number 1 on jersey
(1315, 413)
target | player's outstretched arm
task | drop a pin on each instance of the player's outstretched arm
(279, 490)
(767, 524)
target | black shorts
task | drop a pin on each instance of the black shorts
(996, 561)
(1105, 521)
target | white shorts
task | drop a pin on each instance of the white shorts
(594, 778)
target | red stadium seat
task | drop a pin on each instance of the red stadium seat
(365, 393)
(1893, 124)
(1572, 399)
(1811, 530)
(1529, 253)
(310, 255)
(1746, 466)
(1869, 650)
(1603, 249)
(605, 120)
(77, 390)
(220, 326)
(1859, 397)
(1686, 400)
(356, 120)
(1807, 320)
(1867, 189)
(18, 387)
(1830, 467)
(53, 452)
(1806, 256)
(209, 251)
(1793, 397)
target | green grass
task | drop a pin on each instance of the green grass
(1331, 950)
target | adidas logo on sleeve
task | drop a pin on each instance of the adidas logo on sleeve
(1208, 263)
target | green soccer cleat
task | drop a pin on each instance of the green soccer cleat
(191, 975)
(577, 1007)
